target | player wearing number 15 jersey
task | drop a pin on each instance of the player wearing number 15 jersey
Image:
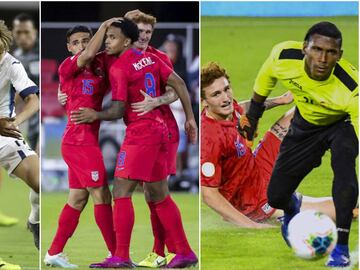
(83, 77)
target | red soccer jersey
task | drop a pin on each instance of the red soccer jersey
(227, 163)
(134, 71)
(165, 109)
(85, 87)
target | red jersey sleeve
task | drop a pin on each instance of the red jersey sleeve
(211, 152)
(118, 83)
(68, 68)
(165, 70)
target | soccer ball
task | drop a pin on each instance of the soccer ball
(312, 234)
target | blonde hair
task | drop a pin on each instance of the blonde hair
(138, 16)
(5, 37)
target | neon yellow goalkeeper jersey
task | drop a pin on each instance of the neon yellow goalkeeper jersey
(319, 102)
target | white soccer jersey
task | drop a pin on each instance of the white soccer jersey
(13, 78)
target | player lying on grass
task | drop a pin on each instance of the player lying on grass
(15, 154)
(234, 179)
(325, 90)
(84, 78)
(143, 154)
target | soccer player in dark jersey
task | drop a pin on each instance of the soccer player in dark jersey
(83, 77)
(234, 178)
(142, 156)
(325, 90)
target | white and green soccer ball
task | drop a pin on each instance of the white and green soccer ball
(312, 234)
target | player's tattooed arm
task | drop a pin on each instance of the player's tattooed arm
(88, 115)
(149, 103)
(270, 103)
(213, 198)
(95, 43)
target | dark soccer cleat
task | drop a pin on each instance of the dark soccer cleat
(339, 257)
(34, 228)
(181, 261)
(285, 220)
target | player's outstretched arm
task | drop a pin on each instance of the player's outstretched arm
(88, 115)
(149, 103)
(270, 103)
(95, 43)
(30, 108)
(179, 86)
(213, 198)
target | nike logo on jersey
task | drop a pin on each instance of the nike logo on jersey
(15, 62)
(143, 62)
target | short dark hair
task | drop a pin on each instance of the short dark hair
(128, 28)
(78, 29)
(24, 17)
(327, 29)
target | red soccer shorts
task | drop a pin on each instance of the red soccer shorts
(86, 166)
(144, 154)
(172, 155)
(265, 156)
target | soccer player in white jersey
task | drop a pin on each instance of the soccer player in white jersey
(15, 154)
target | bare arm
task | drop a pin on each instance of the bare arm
(270, 103)
(95, 43)
(179, 86)
(213, 198)
(30, 108)
(88, 115)
(149, 103)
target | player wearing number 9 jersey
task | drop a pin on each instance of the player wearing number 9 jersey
(146, 135)
(142, 157)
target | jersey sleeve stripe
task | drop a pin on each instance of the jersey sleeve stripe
(291, 54)
(345, 78)
(12, 100)
(30, 90)
(21, 154)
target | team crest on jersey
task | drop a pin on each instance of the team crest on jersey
(95, 175)
(240, 148)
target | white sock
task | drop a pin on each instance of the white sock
(34, 214)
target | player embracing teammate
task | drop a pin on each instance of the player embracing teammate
(143, 154)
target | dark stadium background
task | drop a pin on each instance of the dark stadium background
(179, 19)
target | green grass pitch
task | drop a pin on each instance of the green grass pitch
(16, 242)
(241, 45)
(87, 246)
